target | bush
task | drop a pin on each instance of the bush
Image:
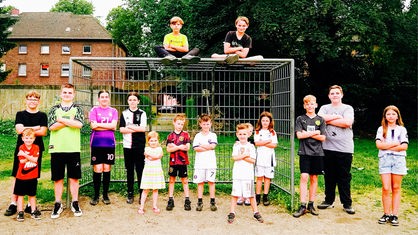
(7, 127)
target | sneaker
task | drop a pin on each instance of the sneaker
(11, 210)
(20, 216)
(36, 215)
(28, 209)
(247, 202)
(231, 217)
(187, 205)
(311, 209)
(213, 206)
(106, 200)
(394, 220)
(325, 205)
(190, 59)
(57, 210)
(76, 209)
(231, 59)
(170, 205)
(266, 200)
(258, 217)
(199, 206)
(240, 201)
(94, 201)
(300, 212)
(384, 219)
(130, 198)
(168, 60)
(257, 199)
(350, 210)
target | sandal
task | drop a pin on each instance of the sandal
(141, 211)
(156, 210)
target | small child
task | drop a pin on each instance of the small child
(246, 201)
(204, 144)
(152, 176)
(27, 175)
(265, 139)
(178, 143)
(243, 154)
(310, 129)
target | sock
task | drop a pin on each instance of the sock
(257, 197)
(310, 203)
(97, 178)
(303, 204)
(265, 197)
(186, 199)
(201, 200)
(212, 200)
(106, 183)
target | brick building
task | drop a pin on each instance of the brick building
(46, 40)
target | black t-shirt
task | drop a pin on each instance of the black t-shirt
(31, 119)
(245, 41)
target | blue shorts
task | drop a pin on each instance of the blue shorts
(392, 164)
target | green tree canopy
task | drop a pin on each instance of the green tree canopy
(6, 21)
(78, 7)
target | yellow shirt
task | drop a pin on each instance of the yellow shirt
(179, 40)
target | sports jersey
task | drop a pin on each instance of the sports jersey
(178, 157)
(265, 155)
(310, 146)
(139, 118)
(179, 40)
(103, 138)
(397, 134)
(28, 170)
(206, 159)
(31, 119)
(245, 41)
(338, 139)
(243, 170)
(67, 139)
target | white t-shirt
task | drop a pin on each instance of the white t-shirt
(206, 159)
(243, 170)
(265, 155)
(397, 134)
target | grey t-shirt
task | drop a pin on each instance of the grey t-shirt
(338, 139)
(310, 146)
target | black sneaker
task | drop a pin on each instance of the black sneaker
(300, 212)
(325, 205)
(11, 210)
(257, 199)
(213, 206)
(231, 217)
(199, 206)
(266, 200)
(57, 210)
(106, 200)
(170, 205)
(350, 210)
(130, 198)
(187, 205)
(384, 219)
(36, 215)
(258, 217)
(20, 216)
(94, 201)
(75, 208)
(394, 220)
(311, 209)
(28, 209)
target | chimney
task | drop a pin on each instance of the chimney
(15, 12)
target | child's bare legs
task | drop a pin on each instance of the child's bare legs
(19, 203)
(258, 186)
(266, 185)
(253, 204)
(154, 198)
(32, 202)
(303, 187)
(143, 198)
(185, 183)
(200, 187)
(212, 191)
(313, 187)
(233, 204)
(396, 193)
(171, 182)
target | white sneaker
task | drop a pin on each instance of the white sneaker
(57, 210)
(76, 209)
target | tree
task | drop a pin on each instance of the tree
(6, 21)
(78, 7)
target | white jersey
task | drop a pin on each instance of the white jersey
(206, 159)
(265, 156)
(243, 170)
(397, 134)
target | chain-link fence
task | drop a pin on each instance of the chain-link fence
(231, 94)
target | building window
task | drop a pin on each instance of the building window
(3, 68)
(44, 70)
(65, 70)
(23, 49)
(66, 49)
(44, 49)
(87, 49)
(21, 70)
(86, 72)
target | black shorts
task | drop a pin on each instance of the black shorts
(313, 165)
(102, 155)
(60, 160)
(25, 187)
(178, 170)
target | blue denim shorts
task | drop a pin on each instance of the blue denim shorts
(392, 164)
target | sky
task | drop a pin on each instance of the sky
(101, 7)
